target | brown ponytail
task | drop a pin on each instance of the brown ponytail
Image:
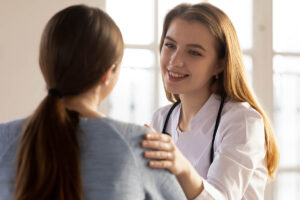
(78, 46)
(48, 156)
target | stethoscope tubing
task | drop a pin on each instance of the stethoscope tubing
(218, 119)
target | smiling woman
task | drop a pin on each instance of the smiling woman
(221, 144)
(187, 60)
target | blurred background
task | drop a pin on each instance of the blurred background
(269, 34)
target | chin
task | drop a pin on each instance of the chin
(173, 90)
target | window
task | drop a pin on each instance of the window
(133, 98)
(286, 73)
(269, 37)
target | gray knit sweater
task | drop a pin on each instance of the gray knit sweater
(112, 163)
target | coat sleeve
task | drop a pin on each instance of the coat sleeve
(241, 149)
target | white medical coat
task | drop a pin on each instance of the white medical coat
(239, 167)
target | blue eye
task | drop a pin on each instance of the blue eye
(195, 53)
(170, 45)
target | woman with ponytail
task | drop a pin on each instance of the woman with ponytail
(66, 150)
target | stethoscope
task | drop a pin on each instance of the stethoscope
(216, 124)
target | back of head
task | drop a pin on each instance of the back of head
(78, 46)
(232, 81)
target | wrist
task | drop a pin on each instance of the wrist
(186, 170)
(190, 181)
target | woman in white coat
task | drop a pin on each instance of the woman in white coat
(220, 143)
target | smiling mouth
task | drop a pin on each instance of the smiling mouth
(176, 75)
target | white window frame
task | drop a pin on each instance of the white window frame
(263, 54)
(263, 62)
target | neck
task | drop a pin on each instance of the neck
(190, 105)
(85, 104)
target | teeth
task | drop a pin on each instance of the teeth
(176, 75)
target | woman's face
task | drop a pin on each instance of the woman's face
(188, 58)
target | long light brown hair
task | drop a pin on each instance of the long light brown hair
(232, 81)
(78, 45)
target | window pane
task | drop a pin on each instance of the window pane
(132, 99)
(135, 19)
(286, 29)
(287, 109)
(138, 58)
(287, 186)
(240, 13)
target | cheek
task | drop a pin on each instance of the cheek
(213, 69)
(164, 60)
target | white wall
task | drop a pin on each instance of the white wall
(21, 25)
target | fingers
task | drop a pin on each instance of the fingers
(157, 145)
(161, 164)
(158, 136)
(164, 147)
(161, 155)
(158, 141)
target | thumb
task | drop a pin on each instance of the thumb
(149, 127)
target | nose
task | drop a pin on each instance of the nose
(176, 59)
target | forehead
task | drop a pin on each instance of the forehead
(190, 32)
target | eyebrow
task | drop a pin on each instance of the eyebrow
(190, 45)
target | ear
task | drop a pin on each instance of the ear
(220, 66)
(106, 78)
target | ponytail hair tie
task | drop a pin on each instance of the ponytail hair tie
(55, 92)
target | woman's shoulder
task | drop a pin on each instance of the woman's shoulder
(159, 116)
(126, 128)
(130, 133)
(240, 110)
(240, 120)
(11, 126)
(162, 111)
(10, 134)
(10, 131)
